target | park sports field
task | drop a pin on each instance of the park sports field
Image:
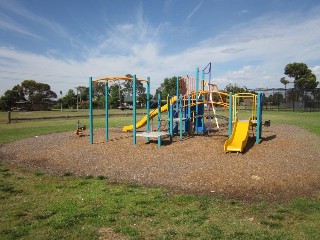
(41, 205)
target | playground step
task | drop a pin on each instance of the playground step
(152, 134)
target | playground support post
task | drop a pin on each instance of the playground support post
(106, 87)
(90, 111)
(202, 85)
(230, 115)
(180, 115)
(259, 118)
(159, 118)
(171, 122)
(189, 113)
(134, 79)
(148, 106)
(177, 93)
(159, 112)
(197, 90)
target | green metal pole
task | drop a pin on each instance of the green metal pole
(169, 105)
(107, 109)
(197, 90)
(230, 115)
(90, 111)
(171, 122)
(202, 80)
(202, 97)
(259, 119)
(134, 79)
(148, 106)
(159, 112)
(180, 115)
(189, 113)
(159, 118)
(177, 93)
(169, 115)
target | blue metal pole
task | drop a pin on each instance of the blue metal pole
(230, 115)
(107, 109)
(134, 79)
(90, 111)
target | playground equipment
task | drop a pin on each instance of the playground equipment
(194, 103)
(80, 129)
(239, 130)
(111, 79)
(152, 114)
(190, 93)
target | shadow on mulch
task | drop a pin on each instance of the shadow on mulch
(269, 138)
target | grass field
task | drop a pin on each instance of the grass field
(35, 205)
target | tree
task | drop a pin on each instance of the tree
(168, 87)
(284, 81)
(307, 82)
(303, 76)
(235, 89)
(69, 100)
(98, 90)
(114, 99)
(8, 100)
(83, 93)
(37, 92)
(140, 89)
(275, 99)
(10, 97)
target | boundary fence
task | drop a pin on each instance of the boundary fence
(292, 99)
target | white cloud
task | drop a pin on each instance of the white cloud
(19, 10)
(252, 54)
(194, 10)
(316, 71)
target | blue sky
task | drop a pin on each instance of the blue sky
(248, 42)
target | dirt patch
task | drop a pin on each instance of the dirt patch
(286, 163)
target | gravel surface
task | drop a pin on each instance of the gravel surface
(286, 163)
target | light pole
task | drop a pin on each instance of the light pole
(77, 100)
(61, 99)
(119, 95)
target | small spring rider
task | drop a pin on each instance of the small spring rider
(80, 129)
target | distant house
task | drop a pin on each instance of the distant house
(22, 106)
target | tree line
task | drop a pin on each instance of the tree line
(120, 92)
(303, 81)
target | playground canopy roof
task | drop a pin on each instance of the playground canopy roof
(118, 78)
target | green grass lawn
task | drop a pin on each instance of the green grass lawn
(28, 128)
(35, 205)
(307, 120)
(39, 206)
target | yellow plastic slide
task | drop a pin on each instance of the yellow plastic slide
(152, 114)
(239, 137)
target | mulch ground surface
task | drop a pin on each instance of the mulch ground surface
(286, 164)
